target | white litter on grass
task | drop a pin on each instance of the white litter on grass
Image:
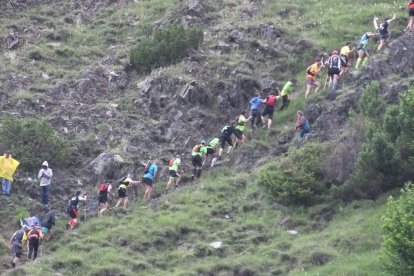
(292, 232)
(216, 244)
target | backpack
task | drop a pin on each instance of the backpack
(33, 233)
(309, 72)
(103, 187)
(147, 168)
(306, 126)
(271, 100)
(171, 162)
(197, 148)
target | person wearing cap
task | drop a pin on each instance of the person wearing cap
(8, 166)
(104, 189)
(197, 156)
(286, 91)
(45, 177)
(150, 179)
(123, 191)
(334, 64)
(16, 243)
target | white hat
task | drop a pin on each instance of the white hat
(45, 164)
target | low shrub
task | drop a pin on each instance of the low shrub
(397, 252)
(165, 47)
(299, 179)
(32, 141)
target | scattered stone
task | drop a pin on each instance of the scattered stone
(292, 232)
(216, 245)
(11, 41)
(45, 76)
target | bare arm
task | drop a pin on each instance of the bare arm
(376, 23)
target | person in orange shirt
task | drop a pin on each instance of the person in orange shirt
(312, 73)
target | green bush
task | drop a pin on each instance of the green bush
(377, 168)
(298, 180)
(32, 141)
(397, 252)
(371, 103)
(165, 47)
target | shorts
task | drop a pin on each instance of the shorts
(411, 11)
(310, 81)
(333, 71)
(238, 133)
(384, 36)
(73, 212)
(173, 173)
(210, 151)
(148, 181)
(17, 250)
(269, 110)
(197, 161)
(103, 198)
(224, 140)
(122, 192)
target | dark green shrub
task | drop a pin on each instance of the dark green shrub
(371, 103)
(298, 180)
(377, 169)
(397, 252)
(165, 47)
(32, 141)
(391, 122)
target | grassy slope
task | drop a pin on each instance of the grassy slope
(174, 238)
(149, 241)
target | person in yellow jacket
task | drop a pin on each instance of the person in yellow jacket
(8, 166)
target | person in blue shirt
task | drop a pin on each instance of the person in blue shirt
(150, 178)
(362, 49)
(255, 104)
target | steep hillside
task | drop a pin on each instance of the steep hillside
(68, 62)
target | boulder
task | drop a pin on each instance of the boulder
(106, 165)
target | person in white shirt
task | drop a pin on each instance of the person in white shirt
(45, 178)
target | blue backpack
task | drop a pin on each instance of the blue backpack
(306, 126)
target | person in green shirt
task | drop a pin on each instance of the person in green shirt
(212, 148)
(240, 127)
(286, 91)
(197, 155)
(174, 169)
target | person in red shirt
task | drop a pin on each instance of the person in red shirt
(410, 9)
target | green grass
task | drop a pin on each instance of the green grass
(174, 238)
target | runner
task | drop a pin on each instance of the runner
(225, 137)
(255, 104)
(383, 31)
(312, 73)
(16, 243)
(334, 64)
(103, 190)
(410, 8)
(197, 155)
(72, 209)
(34, 236)
(150, 179)
(174, 172)
(362, 49)
(345, 51)
(123, 191)
(286, 91)
(239, 130)
(212, 150)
